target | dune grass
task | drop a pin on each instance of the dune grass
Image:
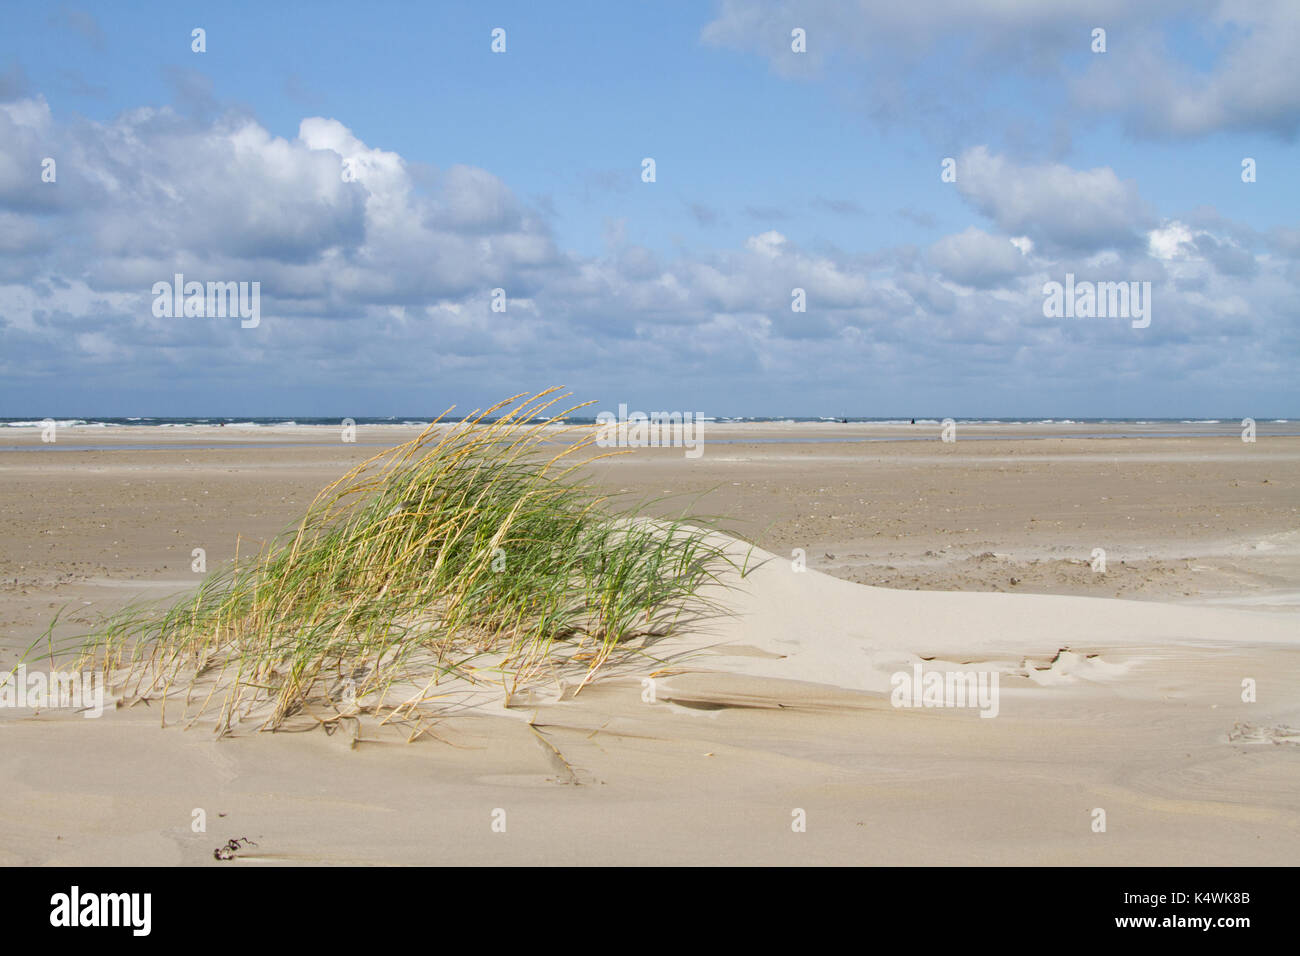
(471, 549)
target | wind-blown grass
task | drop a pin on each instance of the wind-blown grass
(466, 552)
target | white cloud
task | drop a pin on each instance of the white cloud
(976, 258)
(384, 282)
(1249, 84)
(1170, 241)
(770, 244)
(1052, 203)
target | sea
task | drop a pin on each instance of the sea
(283, 422)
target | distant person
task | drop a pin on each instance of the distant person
(913, 421)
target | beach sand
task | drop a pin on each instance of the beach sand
(1119, 691)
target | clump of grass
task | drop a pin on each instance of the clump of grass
(470, 553)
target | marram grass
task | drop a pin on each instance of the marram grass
(467, 555)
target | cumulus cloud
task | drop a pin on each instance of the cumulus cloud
(1177, 242)
(1249, 88)
(376, 275)
(976, 258)
(1054, 204)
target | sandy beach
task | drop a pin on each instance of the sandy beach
(877, 551)
(724, 435)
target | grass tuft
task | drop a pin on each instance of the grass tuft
(467, 555)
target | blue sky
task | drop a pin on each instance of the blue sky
(775, 170)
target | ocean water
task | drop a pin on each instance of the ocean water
(150, 430)
(283, 422)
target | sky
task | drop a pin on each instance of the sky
(379, 170)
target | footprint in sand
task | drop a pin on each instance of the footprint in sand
(1243, 733)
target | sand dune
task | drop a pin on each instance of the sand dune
(782, 705)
